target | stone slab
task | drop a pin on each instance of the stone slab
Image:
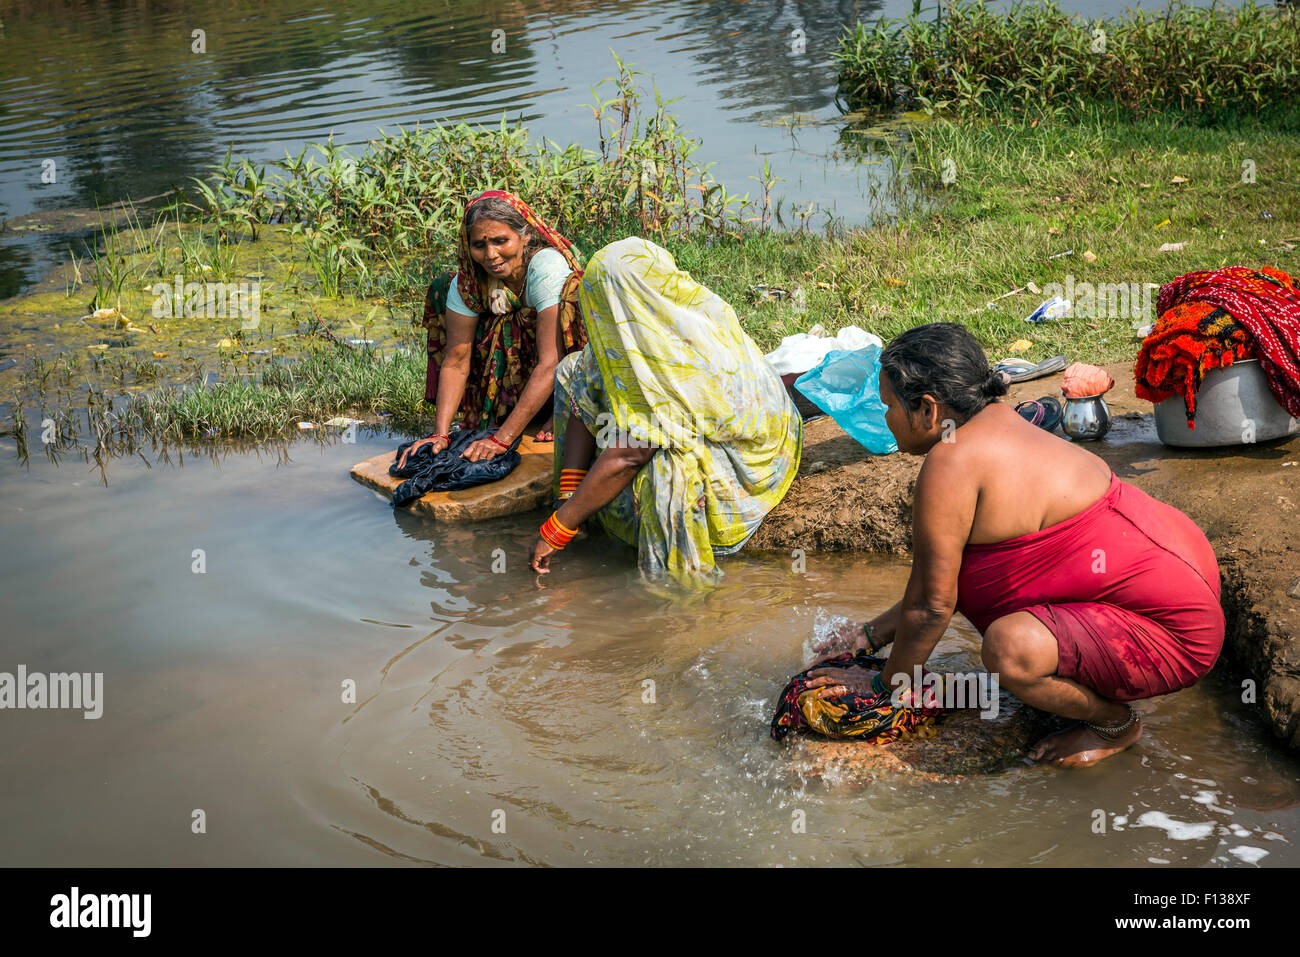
(526, 488)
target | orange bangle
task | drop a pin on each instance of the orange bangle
(555, 534)
(570, 479)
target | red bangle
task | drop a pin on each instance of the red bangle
(497, 442)
(440, 436)
(555, 534)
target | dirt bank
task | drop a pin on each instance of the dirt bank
(1245, 498)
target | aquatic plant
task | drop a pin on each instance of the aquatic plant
(1037, 59)
(366, 217)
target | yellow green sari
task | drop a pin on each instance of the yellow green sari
(667, 364)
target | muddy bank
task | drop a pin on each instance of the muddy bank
(1245, 498)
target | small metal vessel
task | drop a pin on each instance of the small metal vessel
(1087, 418)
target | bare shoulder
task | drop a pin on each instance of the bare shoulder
(963, 448)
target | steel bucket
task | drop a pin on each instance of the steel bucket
(1233, 407)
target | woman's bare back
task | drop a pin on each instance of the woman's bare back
(1027, 479)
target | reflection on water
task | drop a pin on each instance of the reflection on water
(499, 699)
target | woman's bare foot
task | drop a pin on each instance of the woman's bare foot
(547, 432)
(1080, 746)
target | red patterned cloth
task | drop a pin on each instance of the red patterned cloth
(872, 718)
(1211, 318)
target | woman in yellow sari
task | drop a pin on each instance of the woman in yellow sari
(693, 436)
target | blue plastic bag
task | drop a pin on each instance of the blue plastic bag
(846, 386)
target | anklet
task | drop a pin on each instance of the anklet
(1110, 734)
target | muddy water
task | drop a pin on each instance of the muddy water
(487, 698)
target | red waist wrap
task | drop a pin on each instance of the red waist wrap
(1129, 587)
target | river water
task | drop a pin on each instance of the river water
(501, 699)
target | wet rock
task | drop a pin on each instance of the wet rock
(524, 489)
(964, 744)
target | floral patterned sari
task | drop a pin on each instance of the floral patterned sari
(668, 364)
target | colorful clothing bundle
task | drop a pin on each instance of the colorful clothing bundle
(1210, 319)
(668, 366)
(505, 342)
(872, 718)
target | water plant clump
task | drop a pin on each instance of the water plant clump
(1037, 59)
(395, 208)
(333, 378)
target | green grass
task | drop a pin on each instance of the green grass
(1021, 194)
(332, 380)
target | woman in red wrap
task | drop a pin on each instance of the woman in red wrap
(500, 324)
(1088, 593)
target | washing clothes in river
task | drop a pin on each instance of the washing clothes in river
(498, 326)
(860, 710)
(678, 436)
(1088, 594)
(447, 470)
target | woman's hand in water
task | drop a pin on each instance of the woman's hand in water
(540, 559)
(437, 441)
(845, 637)
(834, 682)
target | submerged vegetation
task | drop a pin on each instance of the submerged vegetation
(1038, 60)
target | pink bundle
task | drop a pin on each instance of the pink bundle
(1083, 380)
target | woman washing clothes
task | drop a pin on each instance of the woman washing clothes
(499, 325)
(1088, 593)
(672, 432)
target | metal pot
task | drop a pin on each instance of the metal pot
(1234, 406)
(1086, 418)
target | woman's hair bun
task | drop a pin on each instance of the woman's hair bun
(998, 383)
(945, 361)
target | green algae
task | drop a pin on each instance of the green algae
(145, 327)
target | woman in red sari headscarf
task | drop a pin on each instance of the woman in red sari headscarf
(500, 324)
